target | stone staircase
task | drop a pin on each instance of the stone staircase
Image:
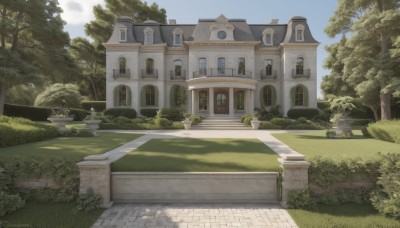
(221, 123)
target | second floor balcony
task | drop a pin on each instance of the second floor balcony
(178, 75)
(149, 73)
(222, 72)
(121, 73)
(301, 73)
(268, 75)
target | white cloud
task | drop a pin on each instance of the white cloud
(78, 11)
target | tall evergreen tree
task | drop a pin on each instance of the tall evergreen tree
(374, 24)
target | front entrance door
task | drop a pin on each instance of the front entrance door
(221, 102)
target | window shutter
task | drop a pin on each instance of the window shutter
(305, 96)
(273, 91)
(143, 96)
(156, 94)
(129, 96)
(293, 95)
(116, 96)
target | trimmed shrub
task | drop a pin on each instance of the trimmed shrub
(162, 122)
(28, 112)
(301, 199)
(281, 122)
(129, 113)
(99, 106)
(247, 120)
(78, 114)
(269, 125)
(322, 104)
(388, 130)
(10, 203)
(308, 113)
(148, 112)
(88, 201)
(118, 126)
(196, 119)
(244, 117)
(138, 121)
(171, 114)
(15, 131)
(121, 120)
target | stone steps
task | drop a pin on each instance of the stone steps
(221, 123)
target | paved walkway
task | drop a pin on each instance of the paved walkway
(197, 215)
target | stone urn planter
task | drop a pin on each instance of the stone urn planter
(60, 122)
(92, 125)
(344, 126)
(187, 123)
(255, 124)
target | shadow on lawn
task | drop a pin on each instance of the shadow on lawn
(356, 137)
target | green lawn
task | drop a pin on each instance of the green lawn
(347, 215)
(200, 155)
(51, 215)
(74, 148)
(314, 143)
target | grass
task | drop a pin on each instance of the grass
(314, 143)
(346, 215)
(200, 155)
(74, 148)
(51, 215)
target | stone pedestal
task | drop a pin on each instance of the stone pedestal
(255, 124)
(295, 174)
(95, 172)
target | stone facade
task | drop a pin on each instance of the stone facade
(218, 66)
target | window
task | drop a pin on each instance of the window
(148, 35)
(299, 96)
(122, 65)
(177, 35)
(239, 100)
(221, 66)
(300, 66)
(299, 33)
(267, 96)
(149, 66)
(203, 66)
(122, 96)
(178, 96)
(178, 67)
(122, 34)
(178, 39)
(221, 99)
(221, 35)
(150, 94)
(242, 66)
(268, 37)
(203, 100)
(268, 67)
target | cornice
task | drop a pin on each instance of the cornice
(298, 45)
(222, 43)
(121, 45)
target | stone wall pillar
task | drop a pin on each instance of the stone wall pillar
(211, 101)
(95, 173)
(295, 174)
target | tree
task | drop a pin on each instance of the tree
(374, 24)
(32, 43)
(369, 94)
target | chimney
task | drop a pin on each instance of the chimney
(172, 21)
(274, 21)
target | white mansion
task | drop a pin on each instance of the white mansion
(217, 66)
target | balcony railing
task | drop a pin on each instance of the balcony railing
(225, 72)
(150, 73)
(268, 75)
(121, 73)
(301, 73)
(176, 75)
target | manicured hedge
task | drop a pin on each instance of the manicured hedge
(99, 106)
(308, 113)
(171, 114)
(148, 112)
(388, 130)
(28, 112)
(78, 114)
(129, 113)
(322, 104)
(15, 131)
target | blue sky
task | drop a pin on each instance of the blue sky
(78, 12)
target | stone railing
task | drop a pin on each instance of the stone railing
(268, 75)
(121, 73)
(150, 74)
(301, 73)
(174, 75)
(224, 72)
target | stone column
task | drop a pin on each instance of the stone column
(231, 103)
(193, 102)
(251, 101)
(211, 101)
(295, 174)
(247, 104)
(95, 173)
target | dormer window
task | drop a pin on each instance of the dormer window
(268, 37)
(299, 33)
(148, 36)
(122, 34)
(178, 34)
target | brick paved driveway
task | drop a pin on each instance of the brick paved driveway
(195, 215)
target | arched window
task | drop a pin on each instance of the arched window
(178, 67)
(202, 66)
(268, 37)
(149, 96)
(122, 96)
(242, 66)
(148, 35)
(299, 95)
(299, 32)
(149, 66)
(178, 96)
(177, 33)
(268, 96)
(268, 67)
(221, 66)
(122, 65)
(122, 34)
(300, 66)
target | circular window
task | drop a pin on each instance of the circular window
(221, 35)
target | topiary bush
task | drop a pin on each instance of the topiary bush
(148, 112)
(28, 112)
(129, 113)
(121, 120)
(99, 106)
(162, 122)
(281, 122)
(308, 113)
(387, 130)
(171, 114)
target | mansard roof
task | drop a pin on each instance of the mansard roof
(201, 32)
